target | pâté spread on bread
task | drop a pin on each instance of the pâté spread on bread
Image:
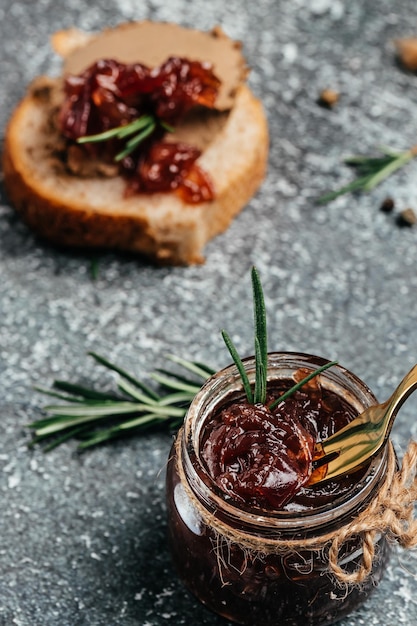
(150, 141)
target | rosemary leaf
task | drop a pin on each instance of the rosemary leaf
(57, 441)
(372, 171)
(141, 128)
(133, 392)
(368, 164)
(260, 375)
(57, 424)
(199, 369)
(209, 371)
(94, 267)
(175, 375)
(55, 394)
(302, 382)
(240, 367)
(92, 410)
(84, 392)
(388, 169)
(112, 133)
(116, 408)
(124, 374)
(142, 122)
(172, 383)
(143, 419)
(167, 127)
(120, 131)
(133, 143)
(355, 185)
(98, 437)
(261, 348)
(40, 424)
(180, 398)
(120, 430)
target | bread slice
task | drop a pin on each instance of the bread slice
(93, 211)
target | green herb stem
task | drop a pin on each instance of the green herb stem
(124, 374)
(371, 171)
(239, 364)
(261, 347)
(302, 382)
(141, 128)
(120, 132)
(396, 163)
(97, 417)
(132, 144)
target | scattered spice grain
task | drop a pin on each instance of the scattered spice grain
(387, 205)
(328, 98)
(407, 52)
(407, 217)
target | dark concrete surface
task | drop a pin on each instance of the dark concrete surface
(82, 538)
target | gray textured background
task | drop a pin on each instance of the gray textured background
(82, 538)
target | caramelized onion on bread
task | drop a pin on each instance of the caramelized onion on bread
(88, 207)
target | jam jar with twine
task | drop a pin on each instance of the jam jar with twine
(305, 564)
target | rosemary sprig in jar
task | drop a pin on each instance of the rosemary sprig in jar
(371, 171)
(95, 417)
(261, 354)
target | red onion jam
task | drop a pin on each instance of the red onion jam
(110, 94)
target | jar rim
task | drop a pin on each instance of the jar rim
(225, 384)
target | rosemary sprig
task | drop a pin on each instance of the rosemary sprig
(94, 416)
(141, 128)
(261, 353)
(371, 171)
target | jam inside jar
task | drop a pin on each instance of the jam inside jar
(244, 561)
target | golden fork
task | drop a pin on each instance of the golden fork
(354, 444)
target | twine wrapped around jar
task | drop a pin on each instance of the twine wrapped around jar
(390, 513)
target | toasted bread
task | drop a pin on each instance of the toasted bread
(94, 211)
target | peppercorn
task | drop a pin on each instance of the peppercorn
(387, 205)
(328, 98)
(407, 217)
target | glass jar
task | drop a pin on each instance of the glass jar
(241, 562)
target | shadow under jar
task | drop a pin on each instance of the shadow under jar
(240, 560)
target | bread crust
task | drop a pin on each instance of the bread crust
(94, 213)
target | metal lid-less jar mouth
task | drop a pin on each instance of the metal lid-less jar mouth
(226, 386)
